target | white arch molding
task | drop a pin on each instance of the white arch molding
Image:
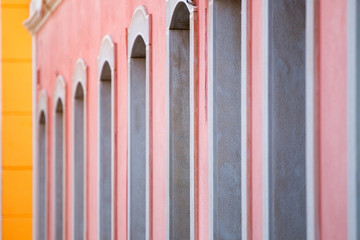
(59, 157)
(139, 146)
(79, 98)
(180, 15)
(106, 137)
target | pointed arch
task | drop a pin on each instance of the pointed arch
(59, 159)
(106, 76)
(41, 169)
(182, 80)
(139, 152)
(79, 149)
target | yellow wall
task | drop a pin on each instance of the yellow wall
(16, 121)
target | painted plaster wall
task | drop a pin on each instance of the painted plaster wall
(203, 143)
(75, 30)
(256, 120)
(16, 121)
(333, 118)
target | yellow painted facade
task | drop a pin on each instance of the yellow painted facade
(16, 81)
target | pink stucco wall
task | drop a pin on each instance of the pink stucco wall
(256, 120)
(332, 122)
(203, 149)
(75, 31)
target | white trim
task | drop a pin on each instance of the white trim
(193, 33)
(141, 27)
(245, 120)
(42, 108)
(353, 118)
(60, 94)
(80, 79)
(39, 14)
(312, 158)
(107, 54)
(265, 106)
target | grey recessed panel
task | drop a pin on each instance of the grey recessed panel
(226, 54)
(227, 119)
(79, 164)
(42, 180)
(138, 141)
(105, 194)
(179, 112)
(59, 172)
(286, 101)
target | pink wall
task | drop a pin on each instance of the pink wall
(256, 120)
(333, 112)
(75, 31)
(203, 156)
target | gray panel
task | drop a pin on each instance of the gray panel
(59, 172)
(42, 180)
(287, 179)
(138, 144)
(179, 103)
(79, 164)
(227, 119)
(105, 155)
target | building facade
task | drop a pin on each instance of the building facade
(16, 121)
(207, 119)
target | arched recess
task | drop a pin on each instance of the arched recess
(182, 90)
(228, 116)
(106, 76)
(41, 169)
(79, 149)
(284, 120)
(59, 159)
(139, 152)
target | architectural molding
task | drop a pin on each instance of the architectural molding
(176, 20)
(80, 80)
(40, 13)
(60, 95)
(42, 105)
(60, 91)
(107, 56)
(42, 111)
(312, 138)
(140, 27)
(80, 76)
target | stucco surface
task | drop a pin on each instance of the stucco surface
(75, 30)
(333, 119)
